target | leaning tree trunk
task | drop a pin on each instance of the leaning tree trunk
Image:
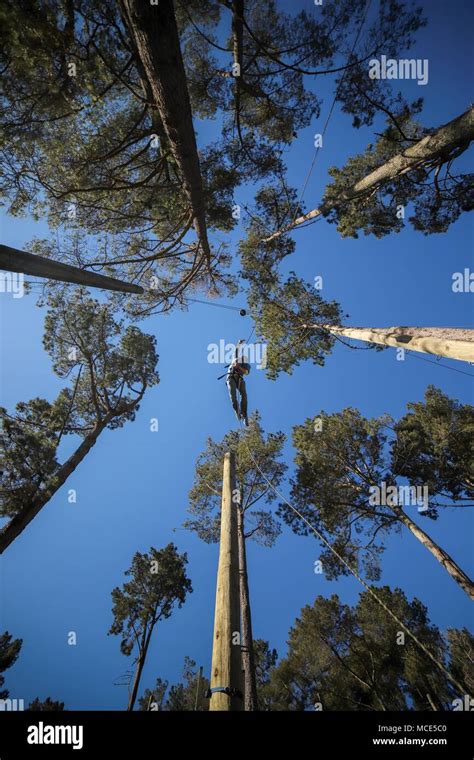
(14, 260)
(450, 342)
(136, 683)
(154, 35)
(440, 554)
(434, 149)
(139, 669)
(248, 659)
(238, 35)
(17, 524)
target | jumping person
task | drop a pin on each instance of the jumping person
(235, 382)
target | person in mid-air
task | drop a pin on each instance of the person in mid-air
(235, 383)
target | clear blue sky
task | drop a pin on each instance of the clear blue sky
(132, 489)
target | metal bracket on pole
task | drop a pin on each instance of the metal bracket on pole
(231, 692)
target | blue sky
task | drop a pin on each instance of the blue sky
(132, 489)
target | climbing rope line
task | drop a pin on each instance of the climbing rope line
(438, 364)
(356, 575)
(241, 311)
(328, 118)
(219, 305)
(341, 340)
(326, 124)
(372, 347)
(306, 333)
(251, 333)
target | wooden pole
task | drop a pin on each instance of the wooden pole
(248, 659)
(13, 260)
(450, 342)
(226, 653)
(198, 686)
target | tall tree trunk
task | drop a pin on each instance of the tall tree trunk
(451, 342)
(237, 52)
(434, 149)
(238, 33)
(23, 518)
(138, 671)
(154, 35)
(14, 260)
(136, 683)
(442, 556)
(248, 659)
(241, 83)
(432, 702)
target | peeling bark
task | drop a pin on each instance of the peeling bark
(440, 554)
(154, 35)
(433, 149)
(248, 660)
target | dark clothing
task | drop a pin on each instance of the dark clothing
(235, 382)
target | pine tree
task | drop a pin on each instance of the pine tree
(349, 479)
(9, 651)
(357, 658)
(188, 695)
(110, 367)
(48, 705)
(97, 130)
(158, 582)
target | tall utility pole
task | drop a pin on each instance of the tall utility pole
(450, 342)
(226, 675)
(13, 260)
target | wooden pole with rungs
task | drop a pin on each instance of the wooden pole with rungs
(450, 342)
(226, 674)
(13, 260)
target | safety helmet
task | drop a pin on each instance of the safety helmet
(245, 367)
